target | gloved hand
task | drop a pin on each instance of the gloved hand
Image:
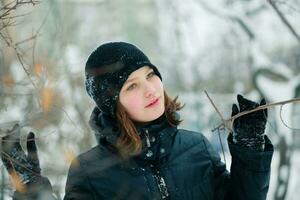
(248, 130)
(25, 168)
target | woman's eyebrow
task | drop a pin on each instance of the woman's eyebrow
(130, 80)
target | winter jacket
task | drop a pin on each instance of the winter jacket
(175, 164)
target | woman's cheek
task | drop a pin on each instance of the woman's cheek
(134, 103)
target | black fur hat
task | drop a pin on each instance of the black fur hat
(107, 69)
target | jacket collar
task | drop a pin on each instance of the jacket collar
(156, 136)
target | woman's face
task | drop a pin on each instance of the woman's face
(142, 95)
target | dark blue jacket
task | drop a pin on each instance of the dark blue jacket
(175, 164)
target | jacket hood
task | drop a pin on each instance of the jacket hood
(155, 135)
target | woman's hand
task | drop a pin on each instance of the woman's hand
(248, 130)
(24, 168)
(19, 165)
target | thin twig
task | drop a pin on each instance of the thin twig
(284, 123)
(295, 100)
(17, 163)
(217, 110)
(229, 122)
(26, 40)
(40, 138)
(220, 139)
(284, 20)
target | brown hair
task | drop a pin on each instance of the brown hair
(129, 142)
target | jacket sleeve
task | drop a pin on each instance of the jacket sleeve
(249, 175)
(77, 186)
(40, 189)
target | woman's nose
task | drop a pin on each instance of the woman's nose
(149, 90)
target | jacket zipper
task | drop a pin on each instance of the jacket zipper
(161, 183)
(149, 152)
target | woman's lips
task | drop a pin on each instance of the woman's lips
(153, 103)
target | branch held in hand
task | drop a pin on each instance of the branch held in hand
(229, 122)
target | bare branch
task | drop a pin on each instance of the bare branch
(285, 21)
(220, 140)
(215, 107)
(9, 20)
(27, 40)
(230, 16)
(12, 160)
(288, 5)
(229, 122)
(284, 123)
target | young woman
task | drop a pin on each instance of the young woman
(141, 153)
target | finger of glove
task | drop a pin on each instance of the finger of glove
(246, 104)
(6, 161)
(265, 111)
(234, 110)
(31, 149)
(10, 142)
(10, 152)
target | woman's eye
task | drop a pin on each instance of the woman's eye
(151, 74)
(132, 86)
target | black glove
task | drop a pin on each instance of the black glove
(248, 130)
(25, 168)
